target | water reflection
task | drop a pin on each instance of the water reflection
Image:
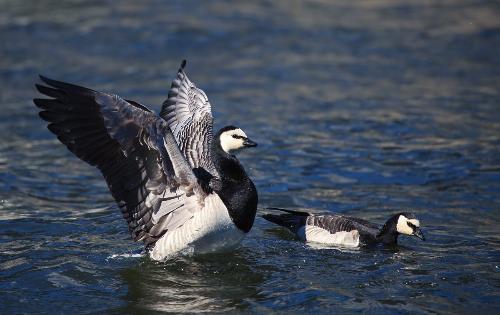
(214, 283)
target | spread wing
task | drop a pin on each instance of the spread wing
(189, 115)
(133, 148)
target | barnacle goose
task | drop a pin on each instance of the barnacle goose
(178, 187)
(334, 229)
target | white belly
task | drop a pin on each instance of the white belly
(311, 233)
(209, 230)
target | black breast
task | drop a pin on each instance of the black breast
(240, 198)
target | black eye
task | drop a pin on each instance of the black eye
(411, 225)
(237, 137)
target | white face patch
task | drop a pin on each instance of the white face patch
(403, 227)
(232, 140)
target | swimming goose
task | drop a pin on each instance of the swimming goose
(178, 187)
(334, 229)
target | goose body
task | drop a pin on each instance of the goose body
(334, 229)
(178, 186)
(210, 230)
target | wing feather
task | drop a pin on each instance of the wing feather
(337, 223)
(188, 113)
(331, 223)
(135, 151)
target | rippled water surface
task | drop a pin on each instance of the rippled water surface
(364, 108)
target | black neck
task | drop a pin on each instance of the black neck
(227, 164)
(388, 233)
(235, 188)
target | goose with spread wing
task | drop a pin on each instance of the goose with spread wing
(179, 187)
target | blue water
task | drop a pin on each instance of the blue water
(364, 108)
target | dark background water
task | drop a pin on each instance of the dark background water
(364, 108)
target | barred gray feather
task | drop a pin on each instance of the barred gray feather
(334, 223)
(188, 113)
(135, 150)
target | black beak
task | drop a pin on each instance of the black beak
(249, 143)
(418, 233)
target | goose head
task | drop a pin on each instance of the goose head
(232, 139)
(408, 224)
(402, 223)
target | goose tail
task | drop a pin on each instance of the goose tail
(291, 219)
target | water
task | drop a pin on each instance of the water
(364, 108)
